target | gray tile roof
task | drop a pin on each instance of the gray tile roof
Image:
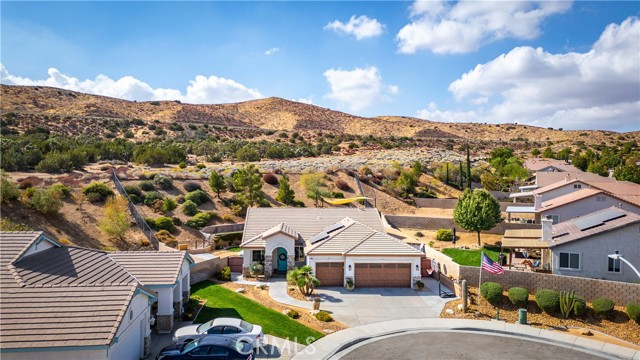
(151, 267)
(306, 221)
(568, 231)
(259, 240)
(59, 297)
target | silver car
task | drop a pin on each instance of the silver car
(230, 327)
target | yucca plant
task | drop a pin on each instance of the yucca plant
(303, 278)
(567, 303)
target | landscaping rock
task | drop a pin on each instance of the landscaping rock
(459, 307)
(240, 291)
(449, 311)
(328, 331)
(585, 331)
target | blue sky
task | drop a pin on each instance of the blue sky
(561, 64)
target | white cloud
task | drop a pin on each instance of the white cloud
(361, 27)
(359, 88)
(595, 89)
(464, 26)
(271, 51)
(201, 90)
(307, 100)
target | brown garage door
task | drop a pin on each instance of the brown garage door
(330, 273)
(383, 275)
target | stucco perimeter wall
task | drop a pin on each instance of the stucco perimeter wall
(621, 293)
(446, 265)
(205, 269)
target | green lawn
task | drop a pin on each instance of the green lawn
(222, 302)
(235, 249)
(471, 257)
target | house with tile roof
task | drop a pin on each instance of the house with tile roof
(338, 243)
(67, 302)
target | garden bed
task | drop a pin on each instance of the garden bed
(617, 325)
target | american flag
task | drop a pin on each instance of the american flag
(490, 266)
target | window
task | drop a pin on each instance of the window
(299, 253)
(230, 330)
(200, 351)
(555, 218)
(614, 265)
(215, 330)
(577, 186)
(569, 261)
(131, 314)
(257, 256)
(601, 198)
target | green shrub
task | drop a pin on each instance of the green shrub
(419, 234)
(199, 220)
(135, 199)
(199, 197)
(518, 296)
(63, 190)
(224, 274)
(580, 307)
(46, 201)
(164, 223)
(147, 185)
(163, 181)
(338, 195)
(444, 235)
(293, 314)
(97, 191)
(548, 300)
(151, 222)
(492, 292)
(189, 208)
(200, 166)
(168, 204)
(633, 311)
(164, 236)
(152, 197)
(176, 221)
(135, 190)
(602, 306)
(8, 190)
(270, 179)
(324, 316)
(182, 165)
(192, 186)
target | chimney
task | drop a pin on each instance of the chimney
(537, 201)
(547, 227)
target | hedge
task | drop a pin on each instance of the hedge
(548, 300)
(518, 296)
(633, 311)
(602, 306)
(492, 292)
(580, 307)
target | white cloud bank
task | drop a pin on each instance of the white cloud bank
(360, 27)
(359, 88)
(271, 51)
(598, 89)
(201, 90)
(455, 28)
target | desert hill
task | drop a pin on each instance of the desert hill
(57, 107)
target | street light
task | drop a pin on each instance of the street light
(617, 256)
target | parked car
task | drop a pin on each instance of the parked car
(231, 327)
(210, 347)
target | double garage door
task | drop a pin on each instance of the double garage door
(383, 275)
(366, 274)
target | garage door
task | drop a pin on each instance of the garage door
(330, 273)
(383, 275)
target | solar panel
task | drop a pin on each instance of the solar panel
(334, 227)
(319, 237)
(598, 219)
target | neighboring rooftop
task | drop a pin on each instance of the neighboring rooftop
(547, 178)
(569, 198)
(598, 222)
(152, 267)
(536, 164)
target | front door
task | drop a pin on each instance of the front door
(282, 259)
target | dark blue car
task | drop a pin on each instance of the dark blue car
(211, 347)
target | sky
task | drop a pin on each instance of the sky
(574, 65)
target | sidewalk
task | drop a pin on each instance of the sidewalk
(278, 292)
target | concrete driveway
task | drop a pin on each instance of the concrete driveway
(370, 305)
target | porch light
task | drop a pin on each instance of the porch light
(349, 267)
(417, 267)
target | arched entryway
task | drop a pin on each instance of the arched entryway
(280, 257)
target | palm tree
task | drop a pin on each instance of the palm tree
(303, 278)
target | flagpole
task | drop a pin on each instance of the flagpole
(480, 278)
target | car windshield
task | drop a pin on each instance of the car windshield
(245, 325)
(204, 327)
(188, 346)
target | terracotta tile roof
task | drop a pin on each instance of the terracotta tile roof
(547, 178)
(555, 185)
(306, 221)
(568, 198)
(569, 231)
(537, 164)
(624, 190)
(152, 267)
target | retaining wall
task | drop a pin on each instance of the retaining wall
(205, 269)
(431, 223)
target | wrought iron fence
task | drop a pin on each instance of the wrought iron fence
(146, 229)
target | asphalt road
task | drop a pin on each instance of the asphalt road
(461, 346)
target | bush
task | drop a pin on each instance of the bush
(548, 300)
(182, 165)
(164, 236)
(176, 221)
(602, 306)
(293, 314)
(633, 311)
(579, 307)
(492, 292)
(199, 197)
(199, 220)
(147, 185)
(518, 296)
(164, 182)
(338, 195)
(444, 235)
(192, 186)
(135, 199)
(342, 185)
(63, 190)
(152, 197)
(168, 204)
(8, 189)
(134, 190)
(270, 179)
(323, 316)
(163, 223)
(189, 208)
(97, 191)
(419, 234)
(200, 166)
(46, 201)
(224, 274)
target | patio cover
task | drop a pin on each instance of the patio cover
(520, 194)
(521, 209)
(524, 238)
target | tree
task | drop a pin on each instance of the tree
(315, 185)
(564, 154)
(248, 182)
(468, 169)
(477, 210)
(597, 167)
(548, 153)
(416, 169)
(535, 152)
(447, 178)
(406, 183)
(303, 278)
(47, 201)
(285, 193)
(115, 222)
(461, 185)
(217, 184)
(628, 173)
